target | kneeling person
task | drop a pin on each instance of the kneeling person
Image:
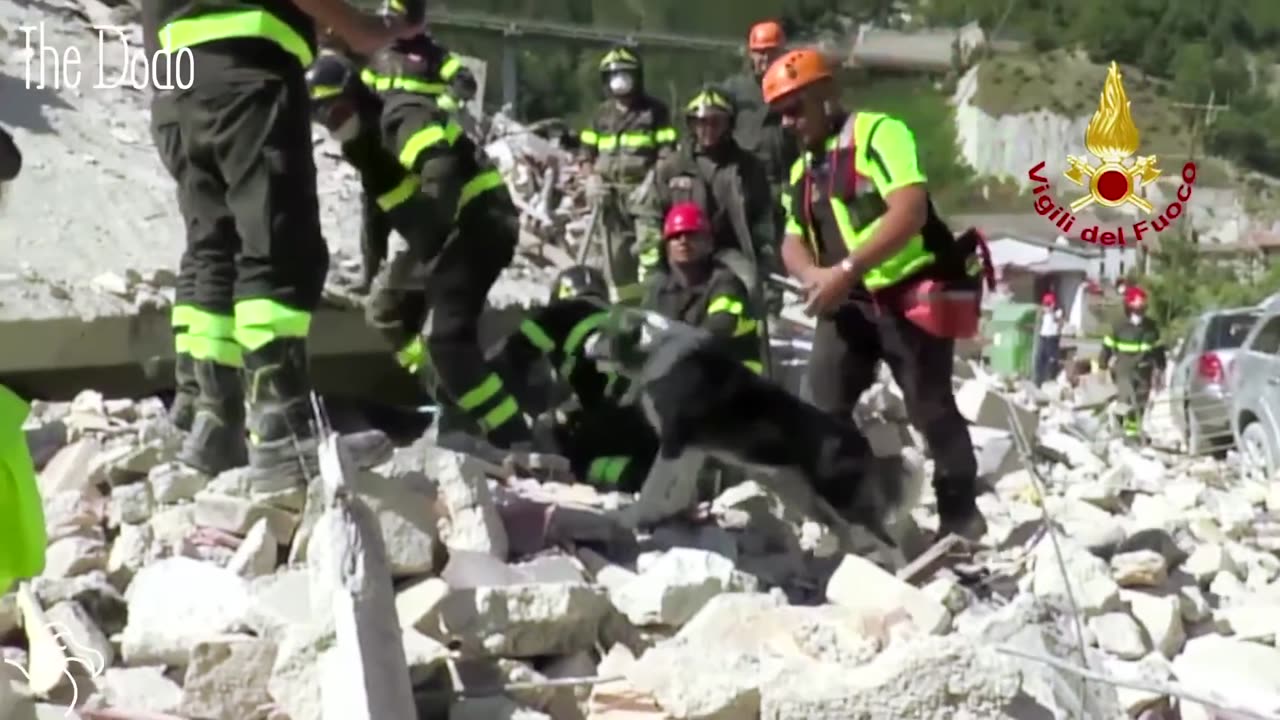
(700, 291)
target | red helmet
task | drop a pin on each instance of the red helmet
(1049, 300)
(682, 219)
(1135, 297)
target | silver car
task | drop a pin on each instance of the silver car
(1199, 391)
(1255, 412)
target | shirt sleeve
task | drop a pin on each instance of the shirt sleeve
(894, 157)
(794, 224)
(728, 312)
(664, 133)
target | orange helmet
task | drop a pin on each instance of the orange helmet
(791, 72)
(766, 36)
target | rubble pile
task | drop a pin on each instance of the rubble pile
(168, 594)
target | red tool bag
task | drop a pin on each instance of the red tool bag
(950, 307)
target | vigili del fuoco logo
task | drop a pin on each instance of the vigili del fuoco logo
(1116, 176)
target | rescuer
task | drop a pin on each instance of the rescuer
(1133, 352)
(697, 290)
(608, 444)
(22, 525)
(728, 183)
(471, 228)
(630, 132)
(884, 275)
(246, 132)
(168, 141)
(756, 127)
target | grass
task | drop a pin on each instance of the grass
(1063, 83)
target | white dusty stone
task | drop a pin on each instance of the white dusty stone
(927, 677)
(280, 601)
(418, 605)
(68, 470)
(174, 482)
(1119, 634)
(473, 522)
(131, 503)
(1141, 568)
(712, 668)
(526, 620)
(129, 552)
(172, 525)
(236, 514)
(1161, 617)
(140, 688)
(674, 589)
(1193, 604)
(1255, 619)
(295, 676)
(74, 514)
(1151, 670)
(80, 635)
(1089, 579)
(406, 511)
(227, 677)
(861, 585)
(1239, 672)
(72, 556)
(177, 602)
(257, 554)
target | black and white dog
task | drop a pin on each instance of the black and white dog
(702, 403)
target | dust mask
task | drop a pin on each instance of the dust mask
(1135, 318)
(621, 83)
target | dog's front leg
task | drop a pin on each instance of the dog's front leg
(670, 489)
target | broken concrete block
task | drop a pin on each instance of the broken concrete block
(1161, 618)
(673, 589)
(1088, 579)
(174, 482)
(859, 584)
(171, 526)
(130, 504)
(74, 513)
(139, 688)
(1206, 561)
(176, 603)
(473, 521)
(68, 471)
(993, 450)
(227, 677)
(93, 591)
(926, 677)
(236, 514)
(1094, 390)
(1243, 673)
(418, 606)
(295, 676)
(618, 699)
(981, 405)
(257, 554)
(525, 620)
(81, 637)
(279, 601)
(129, 552)
(1254, 619)
(73, 556)
(423, 655)
(1142, 568)
(1119, 634)
(406, 510)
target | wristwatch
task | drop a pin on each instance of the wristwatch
(848, 265)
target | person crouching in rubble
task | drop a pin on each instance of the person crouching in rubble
(609, 444)
(886, 278)
(697, 289)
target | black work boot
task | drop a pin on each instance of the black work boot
(216, 440)
(183, 410)
(282, 438)
(958, 512)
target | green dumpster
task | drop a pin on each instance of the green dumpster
(1011, 338)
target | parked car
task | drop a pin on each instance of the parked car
(1199, 391)
(1255, 411)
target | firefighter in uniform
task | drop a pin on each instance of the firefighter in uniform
(468, 205)
(443, 76)
(246, 134)
(861, 233)
(631, 131)
(1135, 357)
(728, 183)
(697, 290)
(168, 142)
(756, 127)
(608, 444)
